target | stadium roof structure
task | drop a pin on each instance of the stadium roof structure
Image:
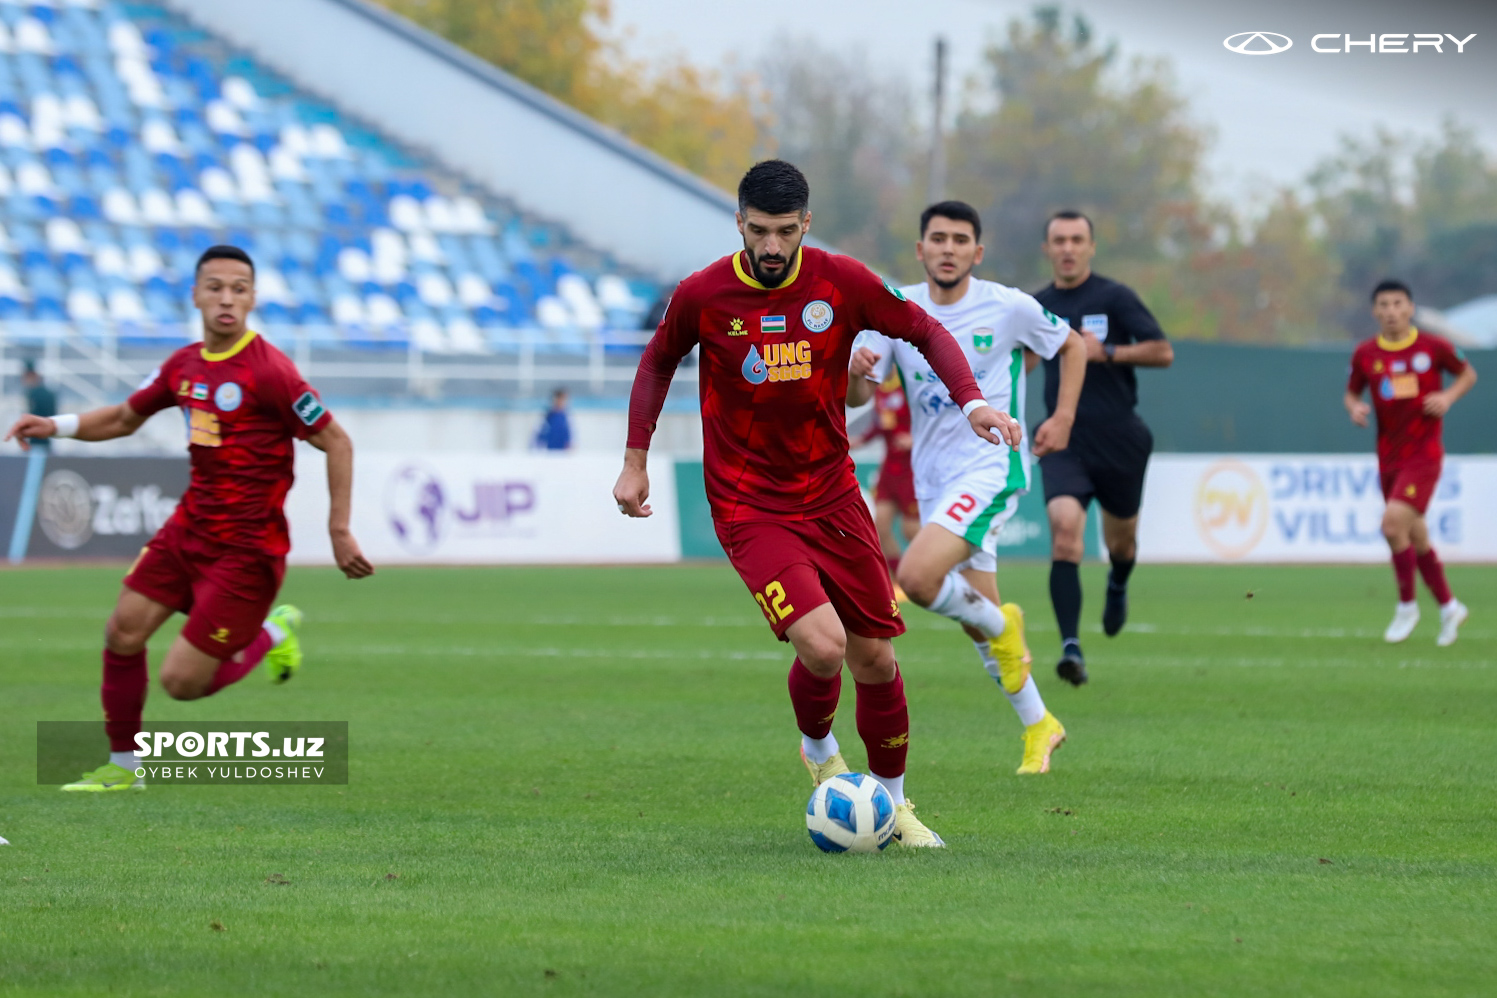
(490, 126)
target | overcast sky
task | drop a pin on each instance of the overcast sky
(1274, 116)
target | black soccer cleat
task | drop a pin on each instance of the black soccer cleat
(1072, 666)
(1115, 611)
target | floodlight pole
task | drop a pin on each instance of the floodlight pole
(936, 185)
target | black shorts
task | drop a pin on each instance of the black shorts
(1110, 472)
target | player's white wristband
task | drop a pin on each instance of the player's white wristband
(974, 404)
(67, 425)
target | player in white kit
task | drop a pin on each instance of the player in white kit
(968, 490)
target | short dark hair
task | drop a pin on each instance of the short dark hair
(223, 253)
(957, 211)
(1391, 285)
(774, 187)
(1070, 215)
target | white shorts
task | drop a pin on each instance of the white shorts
(975, 508)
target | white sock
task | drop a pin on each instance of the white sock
(274, 630)
(1406, 607)
(893, 784)
(1028, 703)
(125, 760)
(819, 750)
(959, 601)
(1450, 606)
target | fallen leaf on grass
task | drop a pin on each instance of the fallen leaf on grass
(550, 972)
(217, 926)
(277, 879)
(1324, 861)
(1061, 810)
(392, 876)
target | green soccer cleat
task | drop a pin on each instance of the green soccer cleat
(283, 661)
(106, 778)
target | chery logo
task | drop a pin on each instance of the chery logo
(1258, 43)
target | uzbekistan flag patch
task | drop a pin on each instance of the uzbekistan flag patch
(771, 324)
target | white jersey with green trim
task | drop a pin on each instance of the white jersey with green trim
(992, 323)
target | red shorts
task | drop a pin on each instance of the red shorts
(794, 566)
(897, 485)
(225, 591)
(1413, 483)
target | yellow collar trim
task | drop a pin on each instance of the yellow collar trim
(1400, 345)
(748, 278)
(244, 341)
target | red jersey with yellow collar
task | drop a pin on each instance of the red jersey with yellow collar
(774, 378)
(244, 409)
(1401, 377)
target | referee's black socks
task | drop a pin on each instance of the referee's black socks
(1065, 596)
(1118, 577)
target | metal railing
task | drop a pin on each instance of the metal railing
(99, 362)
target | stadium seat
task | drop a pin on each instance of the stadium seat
(129, 141)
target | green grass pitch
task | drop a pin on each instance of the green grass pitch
(571, 781)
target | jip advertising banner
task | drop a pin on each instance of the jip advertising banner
(485, 508)
(1302, 508)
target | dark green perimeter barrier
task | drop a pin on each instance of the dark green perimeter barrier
(1221, 399)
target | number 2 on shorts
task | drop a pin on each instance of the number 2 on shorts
(775, 608)
(964, 504)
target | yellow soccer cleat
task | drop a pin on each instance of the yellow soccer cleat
(1041, 739)
(105, 779)
(283, 661)
(910, 831)
(823, 771)
(1010, 650)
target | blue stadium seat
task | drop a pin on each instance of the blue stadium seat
(124, 130)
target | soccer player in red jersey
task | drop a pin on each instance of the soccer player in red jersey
(221, 556)
(894, 499)
(1405, 369)
(775, 324)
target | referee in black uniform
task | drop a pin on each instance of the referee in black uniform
(1110, 444)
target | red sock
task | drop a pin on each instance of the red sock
(124, 694)
(1403, 571)
(232, 670)
(1433, 573)
(814, 700)
(884, 725)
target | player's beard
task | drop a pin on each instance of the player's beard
(766, 279)
(948, 285)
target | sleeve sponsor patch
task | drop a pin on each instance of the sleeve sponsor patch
(150, 379)
(308, 409)
(894, 291)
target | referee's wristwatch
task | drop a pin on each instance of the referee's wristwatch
(1108, 349)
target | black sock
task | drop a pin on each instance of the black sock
(1118, 577)
(1065, 596)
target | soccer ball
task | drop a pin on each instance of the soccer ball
(851, 812)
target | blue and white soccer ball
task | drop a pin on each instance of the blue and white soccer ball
(851, 812)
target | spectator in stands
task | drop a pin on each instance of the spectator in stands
(556, 430)
(40, 400)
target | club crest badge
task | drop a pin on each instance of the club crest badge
(228, 397)
(982, 340)
(1421, 362)
(817, 316)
